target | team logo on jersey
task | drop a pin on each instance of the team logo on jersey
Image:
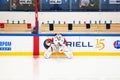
(116, 44)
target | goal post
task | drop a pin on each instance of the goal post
(36, 16)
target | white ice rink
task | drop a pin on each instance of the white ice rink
(78, 68)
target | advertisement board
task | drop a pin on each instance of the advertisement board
(114, 1)
(78, 45)
(55, 2)
(16, 45)
(88, 45)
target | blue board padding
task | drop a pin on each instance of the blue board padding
(102, 35)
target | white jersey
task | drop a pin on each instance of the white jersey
(58, 40)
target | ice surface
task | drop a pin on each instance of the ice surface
(78, 68)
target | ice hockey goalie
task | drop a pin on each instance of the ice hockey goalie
(58, 44)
